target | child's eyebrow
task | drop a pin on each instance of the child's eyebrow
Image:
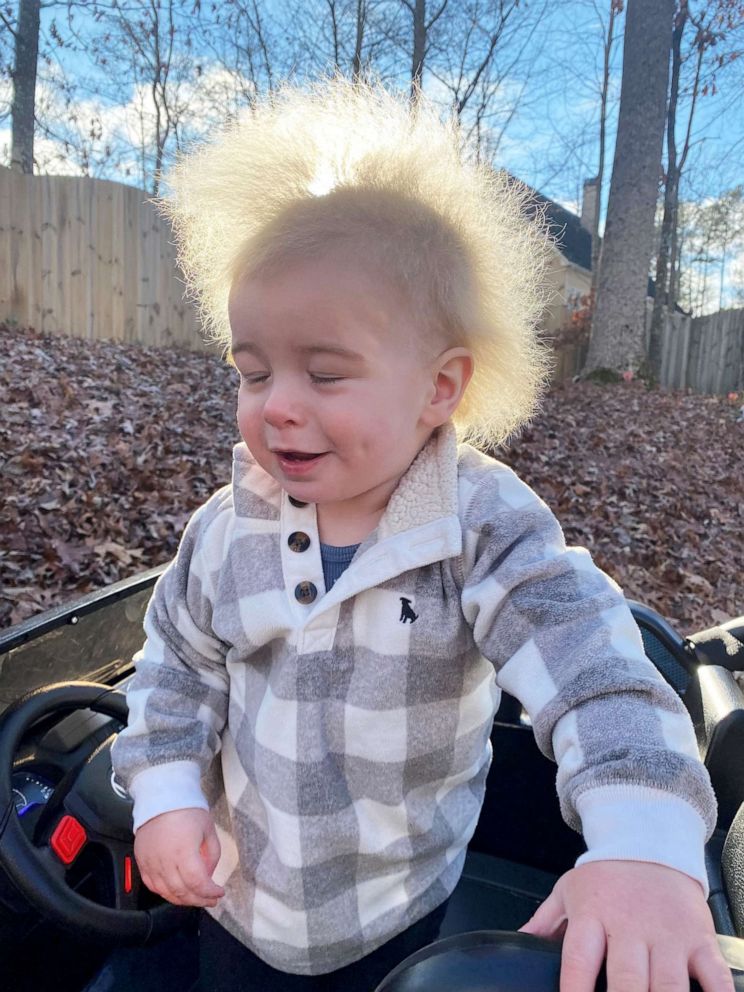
(309, 349)
(245, 346)
(330, 349)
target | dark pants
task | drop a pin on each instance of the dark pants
(227, 966)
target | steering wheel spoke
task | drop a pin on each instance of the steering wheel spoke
(51, 863)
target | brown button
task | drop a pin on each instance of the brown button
(305, 593)
(296, 502)
(298, 541)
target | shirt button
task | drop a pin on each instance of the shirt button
(298, 541)
(296, 502)
(305, 593)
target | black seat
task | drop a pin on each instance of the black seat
(716, 704)
(732, 864)
(494, 894)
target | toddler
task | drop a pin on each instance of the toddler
(308, 738)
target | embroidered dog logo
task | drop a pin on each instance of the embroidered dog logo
(406, 612)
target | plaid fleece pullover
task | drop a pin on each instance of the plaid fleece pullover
(352, 726)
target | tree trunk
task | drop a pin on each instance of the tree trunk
(674, 258)
(356, 64)
(24, 86)
(618, 327)
(419, 47)
(596, 244)
(662, 298)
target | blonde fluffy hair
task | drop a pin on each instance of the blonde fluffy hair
(354, 167)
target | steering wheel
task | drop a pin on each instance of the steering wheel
(88, 806)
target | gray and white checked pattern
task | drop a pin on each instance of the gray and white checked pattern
(353, 746)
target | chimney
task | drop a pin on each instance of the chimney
(589, 204)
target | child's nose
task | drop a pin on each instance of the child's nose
(282, 405)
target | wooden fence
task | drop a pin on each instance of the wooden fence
(704, 354)
(94, 259)
(90, 258)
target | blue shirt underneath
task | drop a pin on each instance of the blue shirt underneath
(335, 561)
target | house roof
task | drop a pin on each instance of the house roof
(572, 240)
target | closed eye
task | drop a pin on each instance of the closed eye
(324, 379)
(253, 378)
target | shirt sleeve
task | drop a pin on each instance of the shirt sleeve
(563, 641)
(178, 696)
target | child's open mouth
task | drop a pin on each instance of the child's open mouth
(297, 456)
(297, 462)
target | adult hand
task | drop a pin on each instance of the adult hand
(652, 923)
(177, 853)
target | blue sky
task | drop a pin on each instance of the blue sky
(551, 99)
(551, 139)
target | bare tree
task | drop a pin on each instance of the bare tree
(711, 235)
(238, 39)
(349, 36)
(618, 328)
(474, 51)
(711, 26)
(26, 38)
(422, 25)
(338, 13)
(583, 99)
(149, 44)
(150, 36)
(467, 49)
(34, 65)
(333, 13)
(357, 62)
(608, 33)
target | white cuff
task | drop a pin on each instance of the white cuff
(636, 823)
(163, 788)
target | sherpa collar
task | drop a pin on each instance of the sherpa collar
(428, 490)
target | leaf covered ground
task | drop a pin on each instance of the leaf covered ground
(105, 450)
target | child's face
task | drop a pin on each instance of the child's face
(334, 391)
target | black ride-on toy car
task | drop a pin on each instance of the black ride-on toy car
(75, 918)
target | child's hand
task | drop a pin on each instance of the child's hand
(651, 921)
(176, 854)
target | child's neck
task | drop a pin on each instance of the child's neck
(340, 531)
(345, 522)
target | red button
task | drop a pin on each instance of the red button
(68, 839)
(127, 873)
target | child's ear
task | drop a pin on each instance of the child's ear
(452, 372)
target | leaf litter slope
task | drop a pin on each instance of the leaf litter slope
(106, 449)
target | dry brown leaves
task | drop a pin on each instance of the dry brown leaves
(106, 449)
(651, 483)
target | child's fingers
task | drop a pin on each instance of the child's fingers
(189, 894)
(709, 968)
(197, 880)
(668, 968)
(210, 849)
(179, 891)
(582, 954)
(549, 919)
(185, 884)
(628, 965)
